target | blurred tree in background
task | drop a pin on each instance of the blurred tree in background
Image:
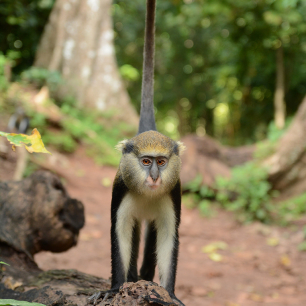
(216, 60)
(78, 43)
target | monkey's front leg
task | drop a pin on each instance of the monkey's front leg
(167, 251)
(118, 272)
(123, 228)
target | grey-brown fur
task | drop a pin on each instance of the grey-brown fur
(147, 118)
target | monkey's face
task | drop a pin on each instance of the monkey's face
(150, 164)
(148, 174)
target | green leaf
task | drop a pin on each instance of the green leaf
(4, 263)
(18, 303)
(195, 184)
(302, 246)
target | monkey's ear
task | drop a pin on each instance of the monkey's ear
(181, 147)
(121, 145)
(125, 146)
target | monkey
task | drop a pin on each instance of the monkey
(146, 188)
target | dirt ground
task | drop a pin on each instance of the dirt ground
(260, 264)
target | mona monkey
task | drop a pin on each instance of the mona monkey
(146, 188)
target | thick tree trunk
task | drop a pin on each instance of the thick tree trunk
(287, 166)
(78, 42)
(279, 96)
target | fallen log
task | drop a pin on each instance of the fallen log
(37, 214)
(71, 287)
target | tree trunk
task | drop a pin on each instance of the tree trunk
(279, 102)
(287, 166)
(78, 42)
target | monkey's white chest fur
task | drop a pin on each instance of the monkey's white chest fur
(160, 211)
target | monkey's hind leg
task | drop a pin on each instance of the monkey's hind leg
(147, 270)
(132, 275)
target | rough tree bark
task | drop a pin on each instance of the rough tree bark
(37, 214)
(78, 42)
(279, 95)
(287, 166)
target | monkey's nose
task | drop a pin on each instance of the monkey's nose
(155, 179)
(154, 173)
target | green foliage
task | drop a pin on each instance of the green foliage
(247, 192)
(302, 246)
(61, 140)
(40, 77)
(274, 134)
(205, 208)
(190, 200)
(292, 208)
(129, 73)
(96, 130)
(197, 197)
(264, 149)
(215, 62)
(21, 24)
(267, 147)
(3, 80)
(30, 168)
(7, 302)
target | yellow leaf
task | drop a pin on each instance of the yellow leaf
(285, 261)
(215, 257)
(106, 182)
(212, 247)
(256, 297)
(272, 241)
(32, 143)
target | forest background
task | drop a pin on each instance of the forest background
(232, 70)
(230, 82)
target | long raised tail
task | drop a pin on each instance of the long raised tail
(147, 118)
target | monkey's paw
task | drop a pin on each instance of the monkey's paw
(107, 294)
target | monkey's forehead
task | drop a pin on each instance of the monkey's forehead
(152, 137)
(153, 143)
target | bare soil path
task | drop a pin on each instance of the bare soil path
(251, 271)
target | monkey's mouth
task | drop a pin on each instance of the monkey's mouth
(154, 186)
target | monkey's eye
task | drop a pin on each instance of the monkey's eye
(161, 162)
(146, 162)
